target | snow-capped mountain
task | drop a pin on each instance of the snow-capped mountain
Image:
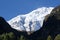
(32, 21)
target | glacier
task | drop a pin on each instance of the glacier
(31, 21)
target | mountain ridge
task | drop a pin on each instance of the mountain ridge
(27, 21)
(51, 27)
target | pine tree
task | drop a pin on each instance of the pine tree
(49, 38)
(57, 37)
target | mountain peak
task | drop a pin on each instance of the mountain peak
(32, 21)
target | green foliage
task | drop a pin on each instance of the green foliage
(57, 37)
(21, 37)
(3, 37)
(7, 36)
(49, 38)
(11, 36)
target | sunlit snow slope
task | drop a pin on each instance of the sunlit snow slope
(32, 21)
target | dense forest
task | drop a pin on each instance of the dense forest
(49, 31)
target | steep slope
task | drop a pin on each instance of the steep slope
(51, 26)
(30, 22)
(6, 28)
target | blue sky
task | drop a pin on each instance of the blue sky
(12, 8)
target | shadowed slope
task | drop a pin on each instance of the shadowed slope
(6, 28)
(51, 26)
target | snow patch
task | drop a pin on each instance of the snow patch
(32, 21)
